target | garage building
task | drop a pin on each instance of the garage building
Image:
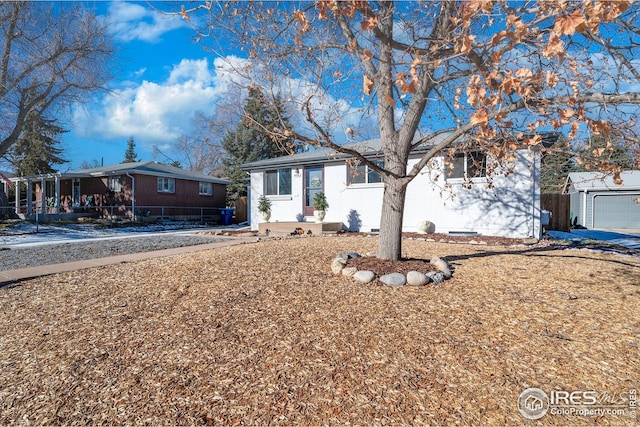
(597, 202)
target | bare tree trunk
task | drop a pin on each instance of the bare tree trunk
(390, 243)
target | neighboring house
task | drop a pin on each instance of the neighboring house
(597, 202)
(503, 205)
(149, 189)
(5, 184)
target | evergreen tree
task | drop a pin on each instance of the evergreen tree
(251, 141)
(600, 152)
(36, 150)
(557, 162)
(130, 155)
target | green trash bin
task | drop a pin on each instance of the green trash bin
(226, 216)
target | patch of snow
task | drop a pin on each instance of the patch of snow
(25, 234)
(628, 240)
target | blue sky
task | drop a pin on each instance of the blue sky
(164, 78)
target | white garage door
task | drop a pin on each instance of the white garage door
(616, 211)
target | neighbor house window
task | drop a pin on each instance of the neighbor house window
(363, 174)
(469, 165)
(115, 184)
(206, 189)
(166, 185)
(277, 182)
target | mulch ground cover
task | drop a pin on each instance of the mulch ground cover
(264, 334)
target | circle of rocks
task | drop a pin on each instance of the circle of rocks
(413, 278)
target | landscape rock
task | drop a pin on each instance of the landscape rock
(348, 255)
(530, 241)
(364, 276)
(436, 277)
(337, 265)
(416, 278)
(349, 271)
(426, 227)
(393, 279)
(441, 265)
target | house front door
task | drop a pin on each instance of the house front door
(313, 183)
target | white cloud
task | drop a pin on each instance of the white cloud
(158, 113)
(155, 113)
(131, 21)
(140, 72)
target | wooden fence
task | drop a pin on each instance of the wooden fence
(558, 205)
(241, 209)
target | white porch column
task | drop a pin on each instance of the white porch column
(29, 199)
(57, 200)
(17, 197)
(43, 196)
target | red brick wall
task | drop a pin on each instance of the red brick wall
(186, 194)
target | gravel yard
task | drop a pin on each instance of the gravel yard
(34, 256)
(264, 334)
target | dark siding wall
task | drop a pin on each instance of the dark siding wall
(96, 187)
(65, 195)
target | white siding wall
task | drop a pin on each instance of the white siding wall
(365, 200)
(283, 208)
(511, 208)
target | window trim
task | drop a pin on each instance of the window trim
(115, 179)
(171, 187)
(367, 172)
(209, 185)
(466, 163)
(278, 172)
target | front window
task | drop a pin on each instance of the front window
(469, 165)
(363, 174)
(166, 185)
(206, 189)
(115, 184)
(278, 182)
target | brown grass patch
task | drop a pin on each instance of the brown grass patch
(265, 334)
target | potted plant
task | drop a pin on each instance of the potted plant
(264, 207)
(320, 206)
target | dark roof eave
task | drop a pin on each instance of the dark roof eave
(102, 174)
(293, 162)
(548, 139)
(290, 161)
